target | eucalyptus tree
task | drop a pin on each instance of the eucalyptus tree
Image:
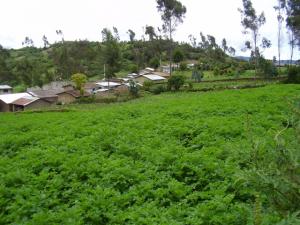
(279, 9)
(150, 31)
(131, 34)
(252, 22)
(292, 9)
(61, 35)
(28, 42)
(45, 41)
(111, 51)
(172, 14)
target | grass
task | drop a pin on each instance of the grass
(174, 158)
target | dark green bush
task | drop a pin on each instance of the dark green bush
(176, 82)
(158, 89)
(294, 75)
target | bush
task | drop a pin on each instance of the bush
(183, 66)
(176, 82)
(133, 68)
(133, 88)
(158, 89)
(147, 85)
(154, 62)
(267, 68)
(294, 75)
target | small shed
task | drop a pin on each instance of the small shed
(5, 89)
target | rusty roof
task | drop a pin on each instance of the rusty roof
(25, 101)
(75, 93)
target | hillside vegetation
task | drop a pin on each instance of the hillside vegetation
(176, 158)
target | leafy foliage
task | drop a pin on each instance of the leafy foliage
(169, 159)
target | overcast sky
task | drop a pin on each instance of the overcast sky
(84, 19)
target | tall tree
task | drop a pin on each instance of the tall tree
(28, 42)
(252, 24)
(292, 8)
(172, 14)
(111, 53)
(224, 45)
(131, 35)
(45, 41)
(150, 31)
(279, 9)
(61, 35)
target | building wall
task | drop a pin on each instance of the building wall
(142, 79)
(38, 104)
(66, 98)
(5, 91)
(4, 107)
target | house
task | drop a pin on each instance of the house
(7, 100)
(70, 96)
(5, 89)
(20, 102)
(162, 74)
(47, 95)
(27, 103)
(166, 69)
(154, 78)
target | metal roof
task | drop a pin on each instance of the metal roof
(24, 101)
(154, 77)
(10, 98)
(106, 84)
(5, 87)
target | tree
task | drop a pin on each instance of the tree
(175, 82)
(224, 45)
(172, 13)
(5, 73)
(178, 56)
(279, 8)
(28, 42)
(150, 31)
(61, 35)
(79, 79)
(45, 41)
(252, 24)
(111, 52)
(293, 24)
(131, 35)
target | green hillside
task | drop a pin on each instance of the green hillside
(176, 158)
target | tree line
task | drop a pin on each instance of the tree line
(31, 66)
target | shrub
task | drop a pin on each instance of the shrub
(133, 68)
(183, 66)
(158, 89)
(133, 88)
(176, 82)
(267, 68)
(147, 85)
(294, 75)
(154, 62)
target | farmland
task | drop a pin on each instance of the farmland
(174, 158)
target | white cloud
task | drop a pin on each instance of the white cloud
(84, 19)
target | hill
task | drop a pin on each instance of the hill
(182, 158)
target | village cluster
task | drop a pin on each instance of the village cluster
(63, 92)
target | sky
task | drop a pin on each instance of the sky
(84, 19)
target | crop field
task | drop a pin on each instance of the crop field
(172, 159)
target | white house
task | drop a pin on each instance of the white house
(5, 89)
